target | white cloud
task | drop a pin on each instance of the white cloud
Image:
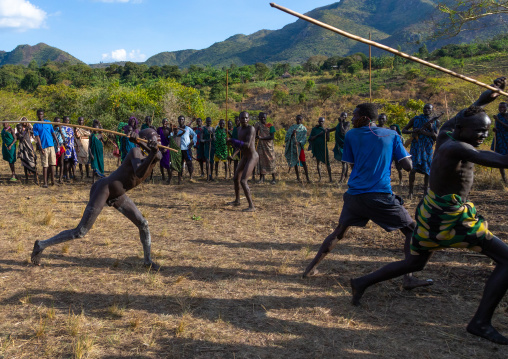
(21, 15)
(122, 55)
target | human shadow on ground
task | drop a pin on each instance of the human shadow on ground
(255, 316)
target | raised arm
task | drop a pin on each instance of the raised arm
(142, 166)
(485, 98)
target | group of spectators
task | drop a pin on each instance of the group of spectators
(64, 149)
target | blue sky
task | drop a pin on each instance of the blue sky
(133, 30)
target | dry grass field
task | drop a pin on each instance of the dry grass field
(231, 285)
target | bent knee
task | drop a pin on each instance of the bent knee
(143, 224)
(80, 232)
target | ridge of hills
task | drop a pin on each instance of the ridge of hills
(390, 22)
(41, 53)
(394, 23)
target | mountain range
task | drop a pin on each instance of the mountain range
(403, 23)
(41, 53)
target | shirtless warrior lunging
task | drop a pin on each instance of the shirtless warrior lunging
(111, 190)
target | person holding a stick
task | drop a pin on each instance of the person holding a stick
(200, 146)
(9, 149)
(424, 132)
(318, 139)
(235, 152)
(148, 123)
(82, 140)
(398, 167)
(112, 190)
(246, 143)
(340, 135)
(221, 148)
(26, 153)
(500, 142)
(164, 132)
(266, 151)
(185, 133)
(46, 138)
(61, 137)
(446, 219)
(70, 156)
(296, 137)
(370, 151)
(208, 139)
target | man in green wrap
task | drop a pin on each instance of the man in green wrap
(296, 137)
(445, 219)
(318, 139)
(9, 149)
(221, 148)
(176, 157)
(96, 152)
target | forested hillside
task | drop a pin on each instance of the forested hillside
(320, 86)
(40, 53)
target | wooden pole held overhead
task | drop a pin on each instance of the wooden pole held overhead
(387, 48)
(370, 70)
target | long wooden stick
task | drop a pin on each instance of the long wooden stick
(370, 71)
(227, 123)
(387, 48)
(87, 128)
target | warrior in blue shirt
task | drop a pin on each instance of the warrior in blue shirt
(370, 151)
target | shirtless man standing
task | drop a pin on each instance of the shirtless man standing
(445, 219)
(111, 190)
(249, 160)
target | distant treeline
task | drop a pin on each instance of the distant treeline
(29, 78)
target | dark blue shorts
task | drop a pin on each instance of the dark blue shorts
(384, 209)
(187, 155)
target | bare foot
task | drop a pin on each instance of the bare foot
(152, 266)
(249, 209)
(233, 203)
(273, 182)
(310, 273)
(488, 332)
(409, 282)
(357, 292)
(36, 254)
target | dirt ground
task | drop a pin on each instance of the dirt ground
(231, 283)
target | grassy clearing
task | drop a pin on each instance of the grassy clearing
(230, 286)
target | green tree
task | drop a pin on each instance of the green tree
(459, 14)
(33, 65)
(423, 52)
(327, 91)
(261, 71)
(31, 81)
(309, 85)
